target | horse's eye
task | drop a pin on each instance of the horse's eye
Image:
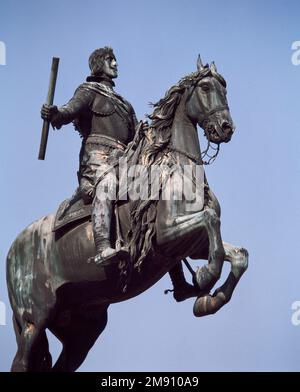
(205, 87)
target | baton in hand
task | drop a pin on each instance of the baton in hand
(50, 98)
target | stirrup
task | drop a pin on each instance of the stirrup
(114, 257)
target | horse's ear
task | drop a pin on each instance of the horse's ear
(213, 66)
(200, 65)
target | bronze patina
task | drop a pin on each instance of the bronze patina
(54, 279)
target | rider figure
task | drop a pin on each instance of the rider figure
(106, 122)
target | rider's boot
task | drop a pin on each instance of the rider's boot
(182, 289)
(101, 218)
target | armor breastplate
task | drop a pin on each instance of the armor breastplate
(111, 118)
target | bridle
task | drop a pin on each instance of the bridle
(219, 131)
(204, 122)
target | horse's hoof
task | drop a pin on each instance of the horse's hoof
(208, 304)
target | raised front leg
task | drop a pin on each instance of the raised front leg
(210, 273)
(182, 289)
(185, 232)
(210, 304)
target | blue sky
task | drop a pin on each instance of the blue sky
(256, 176)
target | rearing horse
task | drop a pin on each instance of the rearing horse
(52, 286)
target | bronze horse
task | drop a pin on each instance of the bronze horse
(52, 286)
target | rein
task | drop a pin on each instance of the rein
(199, 160)
(213, 157)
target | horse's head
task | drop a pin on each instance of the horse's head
(201, 99)
(207, 104)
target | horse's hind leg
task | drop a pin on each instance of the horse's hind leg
(17, 362)
(43, 358)
(210, 304)
(33, 353)
(78, 337)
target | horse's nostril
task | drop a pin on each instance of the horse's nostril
(227, 128)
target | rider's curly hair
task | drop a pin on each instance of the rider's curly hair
(96, 59)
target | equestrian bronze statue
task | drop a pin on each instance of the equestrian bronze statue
(105, 245)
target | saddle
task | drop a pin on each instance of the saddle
(71, 211)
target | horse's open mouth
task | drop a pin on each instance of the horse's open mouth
(214, 137)
(211, 134)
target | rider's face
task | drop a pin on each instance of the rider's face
(110, 66)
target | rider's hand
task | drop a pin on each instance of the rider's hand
(48, 111)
